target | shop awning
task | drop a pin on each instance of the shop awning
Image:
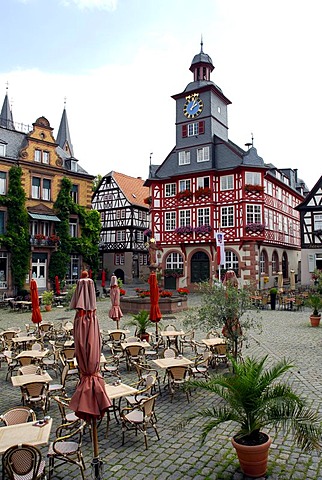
(46, 218)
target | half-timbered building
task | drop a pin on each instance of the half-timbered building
(122, 203)
(311, 232)
(208, 184)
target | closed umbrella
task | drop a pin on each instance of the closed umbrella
(35, 314)
(103, 278)
(155, 313)
(292, 280)
(90, 400)
(280, 281)
(115, 311)
(57, 286)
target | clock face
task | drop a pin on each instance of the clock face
(193, 106)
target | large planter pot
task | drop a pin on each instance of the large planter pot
(144, 336)
(315, 320)
(47, 308)
(253, 458)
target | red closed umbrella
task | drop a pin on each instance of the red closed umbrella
(115, 312)
(103, 278)
(57, 286)
(90, 400)
(155, 313)
(35, 314)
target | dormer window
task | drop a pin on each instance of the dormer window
(2, 149)
(73, 166)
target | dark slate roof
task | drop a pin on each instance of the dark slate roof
(199, 84)
(63, 135)
(201, 58)
(14, 141)
(65, 157)
(6, 119)
(251, 158)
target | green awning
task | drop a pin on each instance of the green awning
(47, 218)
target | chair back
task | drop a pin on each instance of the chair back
(29, 369)
(37, 346)
(117, 336)
(23, 461)
(16, 415)
(25, 361)
(212, 334)
(132, 339)
(221, 349)
(134, 350)
(169, 353)
(147, 406)
(179, 372)
(170, 328)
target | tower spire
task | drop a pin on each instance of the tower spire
(63, 137)
(6, 119)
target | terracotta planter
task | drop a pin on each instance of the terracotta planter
(47, 308)
(144, 336)
(315, 320)
(253, 458)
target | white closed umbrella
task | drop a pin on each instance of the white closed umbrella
(280, 280)
(292, 280)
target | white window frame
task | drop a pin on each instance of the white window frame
(73, 227)
(227, 182)
(170, 221)
(231, 261)
(120, 236)
(227, 216)
(184, 157)
(35, 189)
(203, 154)
(3, 183)
(46, 192)
(193, 129)
(184, 185)
(170, 190)
(174, 261)
(203, 182)
(253, 178)
(317, 218)
(45, 157)
(203, 216)
(2, 149)
(184, 218)
(253, 213)
(37, 155)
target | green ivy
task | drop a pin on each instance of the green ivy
(16, 238)
(86, 245)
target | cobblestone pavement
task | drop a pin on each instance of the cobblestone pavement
(180, 455)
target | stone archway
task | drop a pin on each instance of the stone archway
(199, 267)
(119, 274)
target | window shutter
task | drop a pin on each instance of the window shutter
(311, 262)
(184, 131)
(201, 127)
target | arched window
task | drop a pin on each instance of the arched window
(275, 263)
(263, 262)
(232, 261)
(174, 261)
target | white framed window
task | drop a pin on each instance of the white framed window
(184, 185)
(74, 268)
(231, 261)
(268, 188)
(203, 154)
(227, 216)
(227, 182)
(73, 227)
(170, 189)
(73, 166)
(139, 236)
(184, 218)
(203, 182)
(184, 158)
(174, 261)
(2, 149)
(46, 189)
(253, 214)
(275, 263)
(45, 157)
(3, 270)
(263, 262)
(170, 221)
(193, 129)
(253, 178)
(37, 155)
(74, 193)
(119, 259)
(317, 222)
(35, 189)
(3, 183)
(203, 216)
(120, 236)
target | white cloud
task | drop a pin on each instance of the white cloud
(109, 5)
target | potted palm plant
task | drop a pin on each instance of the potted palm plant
(255, 398)
(47, 299)
(315, 302)
(141, 321)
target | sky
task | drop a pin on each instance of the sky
(116, 63)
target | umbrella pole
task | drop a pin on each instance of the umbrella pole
(96, 462)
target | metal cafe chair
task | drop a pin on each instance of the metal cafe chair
(23, 462)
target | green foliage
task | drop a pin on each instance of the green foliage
(141, 321)
(255, 397)
(16, 238)
(96, 182)
(86, 245)
(273, 291)
(47, 297)
(225, 307)
(315, 301)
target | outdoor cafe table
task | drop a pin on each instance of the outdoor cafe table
(20, 380)
(39, 354)
(142, 344)
(172, 333)
(24, 433)
(23, 340)
(172, 362)
(118, 330)
(117, 391)
(212, 342)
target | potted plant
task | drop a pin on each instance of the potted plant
(315, 302)
(273, 293)
(47, 299)
(141, 321)
(254, 398)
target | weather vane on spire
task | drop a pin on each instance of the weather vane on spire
(201, 45)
